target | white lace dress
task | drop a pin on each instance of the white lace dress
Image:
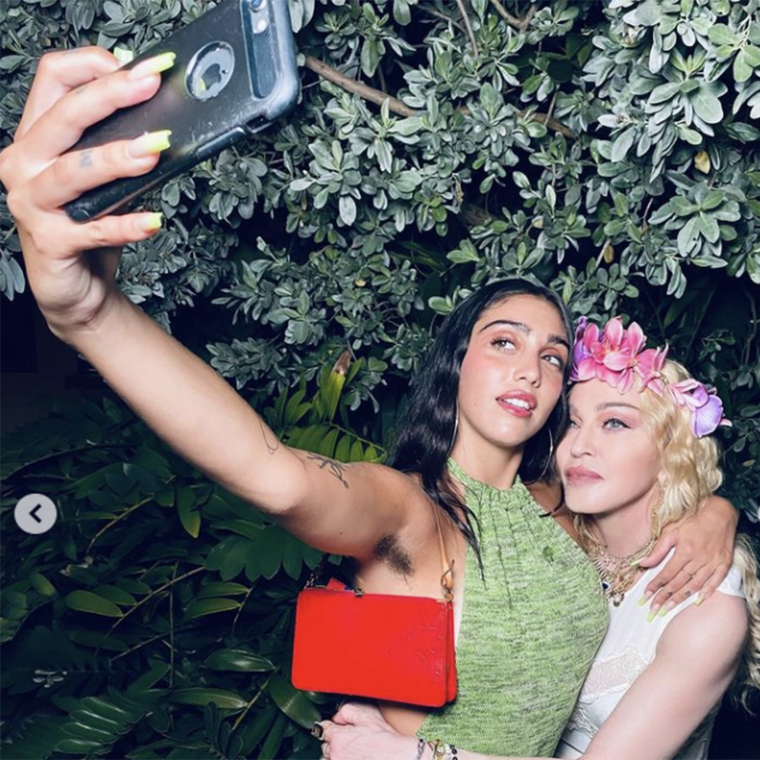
(629, 646)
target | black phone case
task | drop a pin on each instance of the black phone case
(227, 81)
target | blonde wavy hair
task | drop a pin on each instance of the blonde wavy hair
(690, 473)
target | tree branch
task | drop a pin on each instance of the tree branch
(466, 21)
(442, 16)
(521, 24)
(397, 106)
(358, 88)
(551, 123)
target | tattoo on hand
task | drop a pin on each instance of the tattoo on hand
(336, 468)
(271, 447)
(85, 159)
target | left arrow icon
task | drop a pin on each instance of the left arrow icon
(35, 513)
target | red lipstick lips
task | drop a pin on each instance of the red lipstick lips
(518, 403)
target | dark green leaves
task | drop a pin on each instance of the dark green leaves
(293, 702)
(238, 661)
(197, 696)
(86, 601)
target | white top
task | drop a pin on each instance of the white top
(629, 646)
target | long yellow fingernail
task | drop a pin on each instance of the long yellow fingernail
(154, 65)
(651, 616)
(150, 222)
(698, 601)
(123, 55)
(150, 143)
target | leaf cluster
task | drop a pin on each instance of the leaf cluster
(156, 620)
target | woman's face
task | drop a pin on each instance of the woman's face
(512, 373)
(607, 459)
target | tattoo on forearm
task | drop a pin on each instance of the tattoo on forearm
(271, 447)
(85, 159)
(336, 468)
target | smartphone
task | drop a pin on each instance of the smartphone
(235, 72)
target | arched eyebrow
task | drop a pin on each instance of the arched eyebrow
(607, 405)
(612, 404)
(523, 328)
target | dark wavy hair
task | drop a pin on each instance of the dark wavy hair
(424, 441)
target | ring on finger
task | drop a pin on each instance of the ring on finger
(317, 730)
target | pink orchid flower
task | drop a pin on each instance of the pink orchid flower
(650, 367)
(703, 402)
(611, 356)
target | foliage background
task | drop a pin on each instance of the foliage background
(608, 149)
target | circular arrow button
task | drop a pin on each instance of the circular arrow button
(35, 513)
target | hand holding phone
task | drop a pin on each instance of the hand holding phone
(234, 73)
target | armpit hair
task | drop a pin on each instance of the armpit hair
(388, 550)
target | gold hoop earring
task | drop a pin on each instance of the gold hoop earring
(456, 430)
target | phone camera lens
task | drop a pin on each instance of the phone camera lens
(210, 70)
(257, 5)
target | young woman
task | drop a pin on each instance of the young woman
(637, 456)
(533, 613)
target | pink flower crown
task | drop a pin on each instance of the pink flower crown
(617, 355)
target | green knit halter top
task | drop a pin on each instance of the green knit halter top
(529, 630)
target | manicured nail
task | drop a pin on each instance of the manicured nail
(150, 222)
(667, 608)
(643, 601)
(698, 601)
(635, 562)
(651, 616)
(123, 55)
(152, 66)
(151, 143)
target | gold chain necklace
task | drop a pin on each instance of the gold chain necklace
(618, 574)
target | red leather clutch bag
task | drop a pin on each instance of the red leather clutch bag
(383, 646)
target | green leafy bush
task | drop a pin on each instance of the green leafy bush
(156, 620)
(607, 149)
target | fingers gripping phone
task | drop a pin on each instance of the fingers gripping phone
(234, 73)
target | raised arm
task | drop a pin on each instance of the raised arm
(71, 269)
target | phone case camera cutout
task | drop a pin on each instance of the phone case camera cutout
(234, 73)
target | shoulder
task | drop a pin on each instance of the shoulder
(709, 636)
